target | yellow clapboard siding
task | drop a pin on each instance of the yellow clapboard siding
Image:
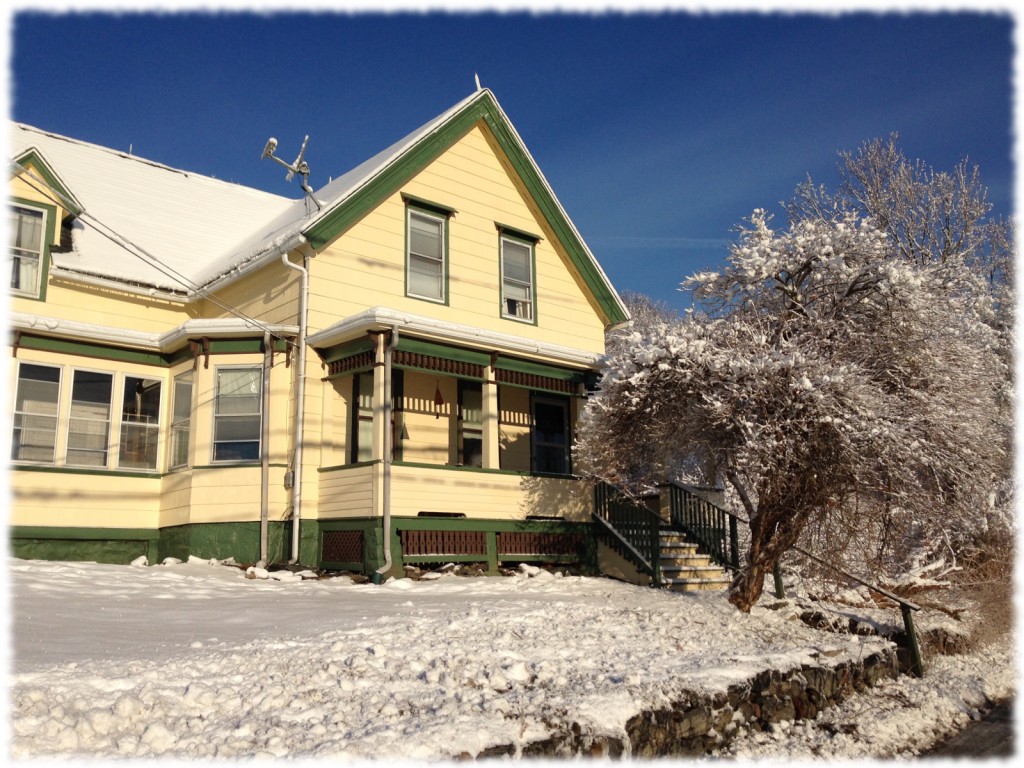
(365, 267)
(269, 294)
(83, 500)
(347, 492)
(485, 494)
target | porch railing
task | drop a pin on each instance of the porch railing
(713, 529)
(634, 530)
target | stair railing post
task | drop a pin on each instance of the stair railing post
(916, 661)
(734, 543)
(780, 588)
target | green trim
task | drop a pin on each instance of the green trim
(391, 178)
(517, 233)
(140, 474)
(35, 342)
(60, 532)
(86, 349)
(445, 352)
(49, 238)
(347, 349)
(234, 465)
(353, 465)
(427, 205)
(460, 468)
(539, 369)
(46, 173)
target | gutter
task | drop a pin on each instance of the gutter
(381, 573)
(300, 399)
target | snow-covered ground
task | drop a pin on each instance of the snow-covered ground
(194, 660)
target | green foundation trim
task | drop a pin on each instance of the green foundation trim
(240, 541)
(101, 545)
(220, 541)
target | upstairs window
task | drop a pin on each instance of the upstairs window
(426, 249)
(426, 263)
(27, 226)
(517, 285)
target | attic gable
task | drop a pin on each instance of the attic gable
(31, 162)
(404, 165)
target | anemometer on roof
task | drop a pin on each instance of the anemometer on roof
(299, 167)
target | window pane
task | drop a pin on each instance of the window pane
(237, 415)
(181, 420)
(89, 423)
(550, 437)
(35, 413)
(426, 277)
(516, 261)
(140, 423)
(425, 260)
(26, 245)
(425, 236)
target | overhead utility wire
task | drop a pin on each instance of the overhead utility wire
(143, 255)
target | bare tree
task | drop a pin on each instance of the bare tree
(825, 370)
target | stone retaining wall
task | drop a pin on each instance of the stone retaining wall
(699, 723)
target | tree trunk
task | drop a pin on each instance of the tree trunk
(773, 531)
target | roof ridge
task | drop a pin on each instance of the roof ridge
(195, 175)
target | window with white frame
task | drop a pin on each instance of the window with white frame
(27, 228)
(140, 423)
(238, 414)
(36, 407)
(181, 420)
(516, 279)
(425, 262)
(89, 418)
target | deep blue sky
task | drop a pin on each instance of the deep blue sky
(658, 132)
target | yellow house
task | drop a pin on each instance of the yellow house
(387, 371)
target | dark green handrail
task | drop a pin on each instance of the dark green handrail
(713, 529)
(635, 527)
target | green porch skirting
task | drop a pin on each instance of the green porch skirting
(358, 544)
(352, 544)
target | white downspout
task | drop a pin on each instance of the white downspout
(381, 573)
(265, 450)
(300, 400)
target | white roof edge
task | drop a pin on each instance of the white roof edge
(381, 318)
(150, 342)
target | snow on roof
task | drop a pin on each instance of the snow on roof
(200, 227)
(185, 220)
(294, 220)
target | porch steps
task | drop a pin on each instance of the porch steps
(684, 569)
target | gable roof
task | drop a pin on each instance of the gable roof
(203, 228)
(181, 218)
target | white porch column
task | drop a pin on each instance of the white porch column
(489, 418)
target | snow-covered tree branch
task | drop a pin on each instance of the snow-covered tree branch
(830, 369)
